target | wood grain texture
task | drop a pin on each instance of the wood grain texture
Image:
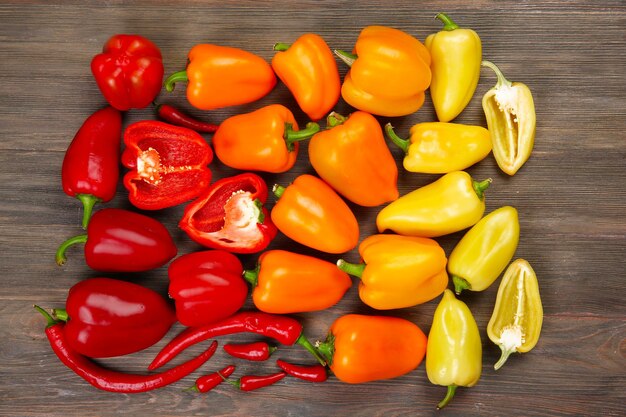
(570, 196)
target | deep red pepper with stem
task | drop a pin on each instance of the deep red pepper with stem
(113, 381)
(207, 382)
(119, 240)
(311, 373)
(257, 351)
(230, 215)
(254, 382)
(284, 329)
(90, 170)
(177, 117)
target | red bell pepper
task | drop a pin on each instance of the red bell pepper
(107, 317)
(168, 164)
(90, 169)
(207, 286)
(230, 215)
(122, 241)
(129, 71)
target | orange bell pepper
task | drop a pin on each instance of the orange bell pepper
(221, 76)
(311, 213)
(354, 159)
(363, 348)
(389, 72)
(398, 271)
(286, 282)
(263, 140)
(308, 69)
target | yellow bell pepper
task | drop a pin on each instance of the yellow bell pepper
(516, 321)
(398, 271)
(453, 202)
(456, 56)
(486, 249)
(511, 119)
(439, 148)
(454, 349)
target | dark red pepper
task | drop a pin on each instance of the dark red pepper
(176, 117)
(207, 286)
(90, 170)
(312, 373)
(208, 382)
(109, 317)
(254, 382)
(283, 329)
(168, 164)
(230, 215)
(129, 71)
(257, 351)
(119, 240)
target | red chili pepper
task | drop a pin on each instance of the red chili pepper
(129, 71)
(208, 382)
(230, 215)
(122, 241)
(176, 117)
(168, 164)
(108, 380)
(258, 351)
(283, 329)
(253, 382)
(207, 286)
(314, 373)
(90, 169)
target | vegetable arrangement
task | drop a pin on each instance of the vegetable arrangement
(403, 265)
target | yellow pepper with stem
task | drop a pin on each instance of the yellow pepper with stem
(516, 321)
(485, 250)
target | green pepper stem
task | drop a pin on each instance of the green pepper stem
(61, 314)
(327, 348)
(335, 119)
(252, 275)
(292, 136)
(505, 355)
(448, 397)
(278, 190)
(460, 284)
(48, 316)
(303, 341)
(481, 186)
(400, 143)
(88, 201)
(192, 389)
(346, 57)
(350, 268)
(260, 216)
(502, 81)
(170, 82)
(281, 46)
(448, 24)
(60, 255)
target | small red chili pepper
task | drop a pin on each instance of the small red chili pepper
(314, 373)
(283, 329)
(230, 215)
(90, 170)
(168, 164)
(176, 117)
(208, 382)
(113, 381)
(254, 382)
(129, 71)
(258, 351)
(119, 240)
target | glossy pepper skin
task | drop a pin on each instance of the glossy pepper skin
(439, 148)
(263, 140)
(129, 71)
(510, 112)
(119, 240)
(90, 170)
(221, 76)
(175, 116)
(485, 250)
(517, 317)
(362, 348)
(389, 72)
(230, 215)
(311, 213)
(206, 383)
(354, 159)
(456, 56)
(108, 317)
(398, 271)
(454, 353)
(287, 282)
(167, 164)
(308, 69)
(452, 203)
(206, 286)
(257, 351)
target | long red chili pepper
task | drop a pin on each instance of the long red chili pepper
(207, 382)
(113, 381)
(258, 351)
(283, 329)
(176, 117)
(314, 373)
(253, 382)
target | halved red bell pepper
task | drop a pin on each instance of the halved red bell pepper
(207, 286)
(230, 215)
(168, 164)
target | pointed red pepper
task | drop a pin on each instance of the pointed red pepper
(256, 351)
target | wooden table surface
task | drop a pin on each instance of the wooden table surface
(571, 198)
